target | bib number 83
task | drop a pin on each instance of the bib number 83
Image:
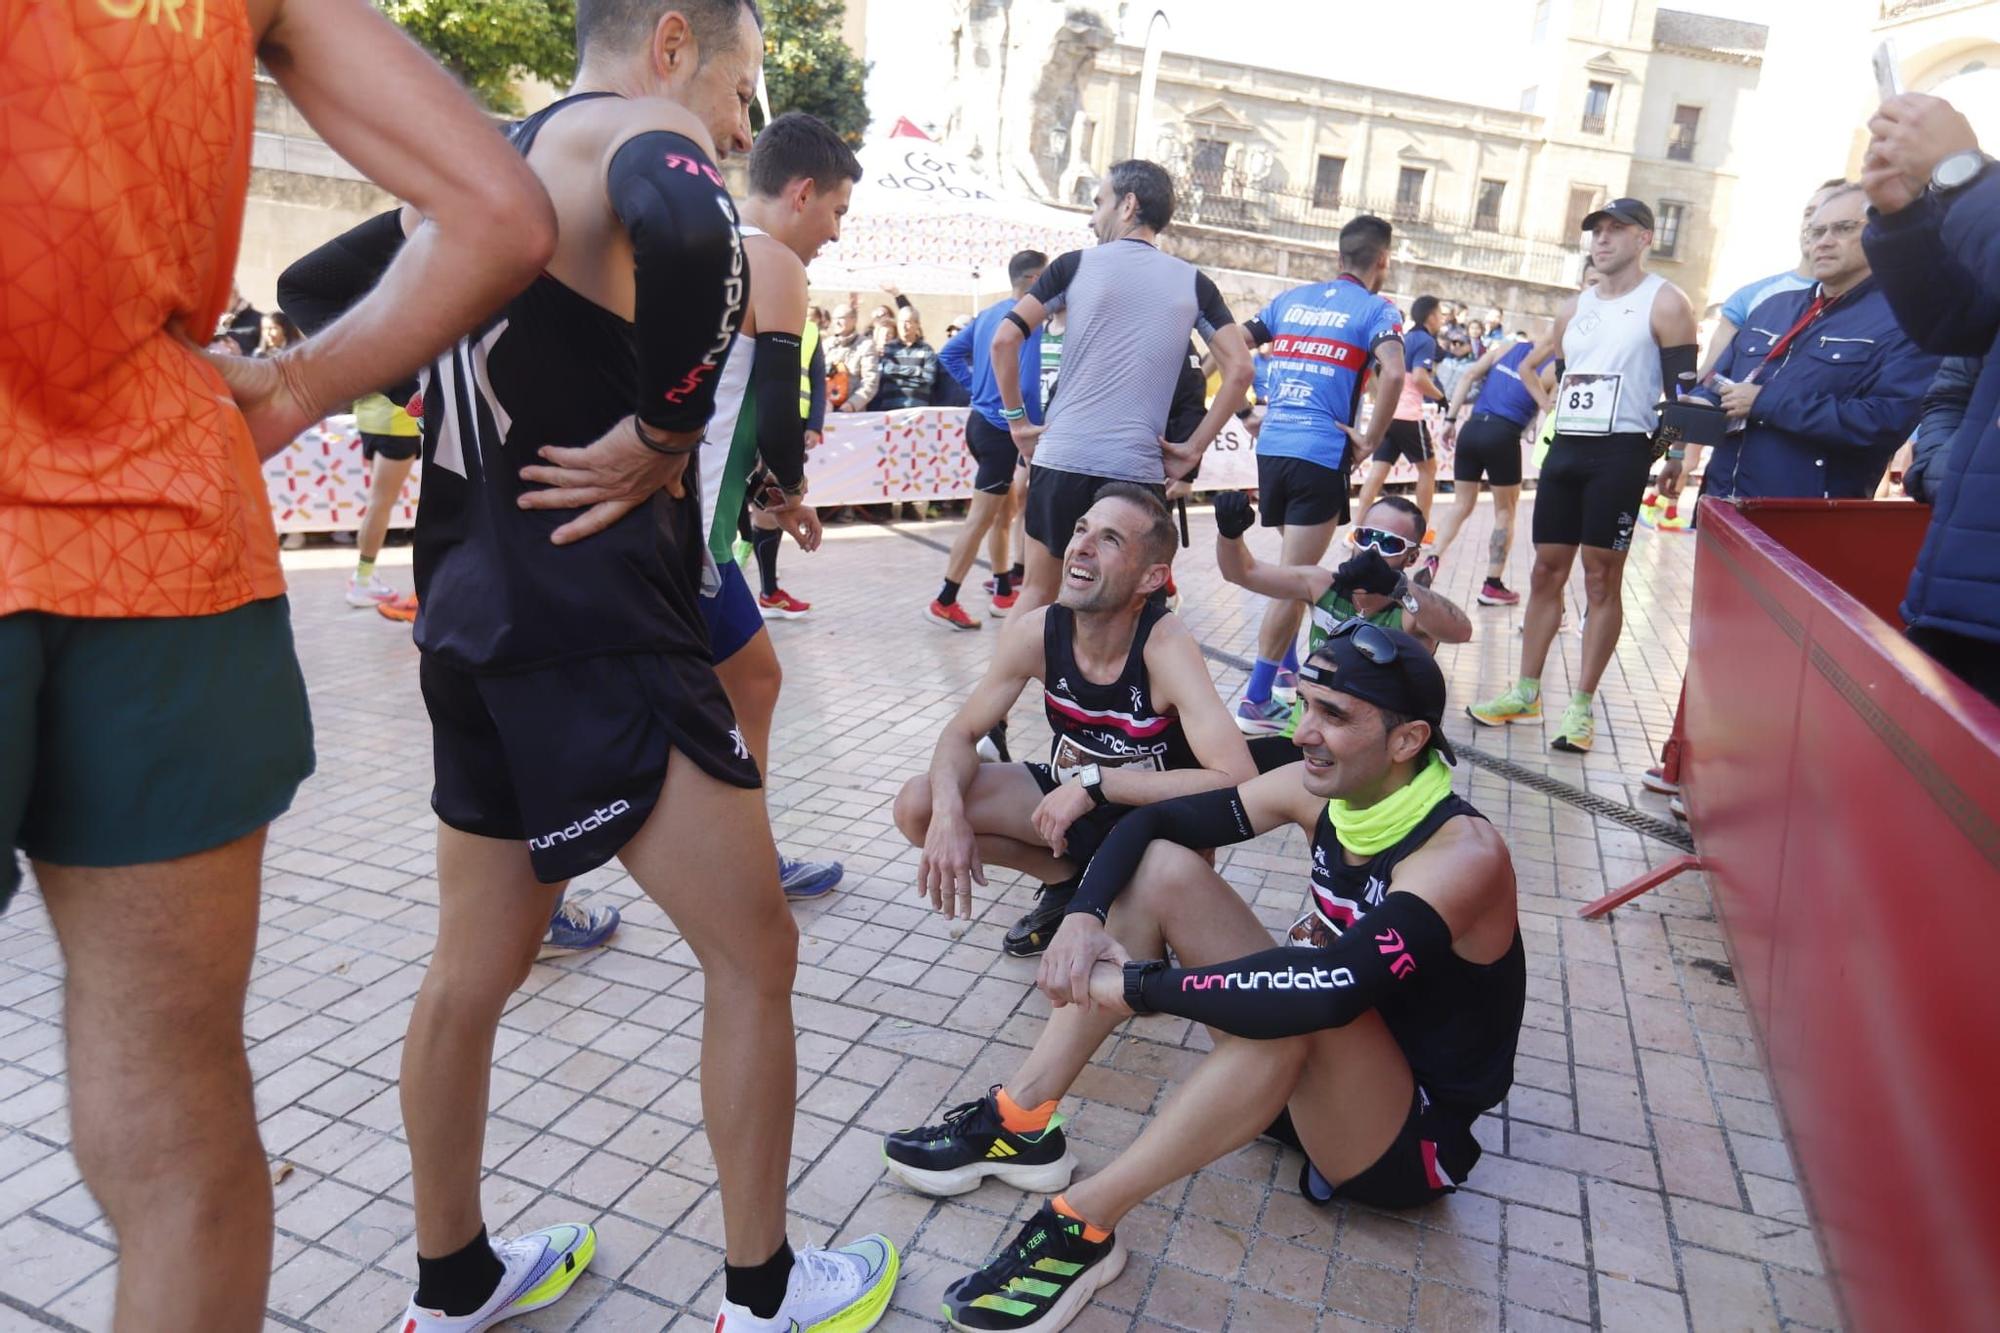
(1582, 400)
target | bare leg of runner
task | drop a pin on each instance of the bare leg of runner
(1000, 807)
(1044, 574)
(1603, 590)
(1371, 489)
(1299, 544)
(383, 489)
(1427, 481)
(752, 679)
(1500, 544)
(1464, 500)
(1543, 618)
(985, 515)
(162, 1122)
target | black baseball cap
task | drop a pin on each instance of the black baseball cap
(1409, 682)
(1633, 211)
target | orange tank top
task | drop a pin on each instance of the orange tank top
(128, 482)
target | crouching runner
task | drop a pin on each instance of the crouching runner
(1372, 1039)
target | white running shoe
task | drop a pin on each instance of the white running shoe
(372, 593)
(830, 1291)
(541, 1267)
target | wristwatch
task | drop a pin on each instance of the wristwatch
(1091, 778)
(1406, 595)
(1958, 170)
(1135, 980)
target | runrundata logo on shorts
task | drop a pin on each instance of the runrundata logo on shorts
(577, 828)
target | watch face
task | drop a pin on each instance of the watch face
(1957, 169)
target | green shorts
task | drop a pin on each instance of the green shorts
(124, 742)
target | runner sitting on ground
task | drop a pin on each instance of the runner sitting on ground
(1135, 715)
(1373, 1040)
(1373, 583)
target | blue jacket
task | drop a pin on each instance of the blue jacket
(1944, 413)
(1938, 262)
(968, 358)
(1833, 410)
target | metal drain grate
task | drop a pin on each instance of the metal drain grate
(1661, 830)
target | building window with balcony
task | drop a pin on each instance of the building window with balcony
(1583, 200)
(1210, 157)
(1409, 193)
(1680, 139)
(1486, 213)
(1667, 235)
(1596, 107)
(1326, 181)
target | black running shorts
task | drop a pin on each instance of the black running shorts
(570, 758)
(1432, 1155)
(1295, 493)
(395, 447)
(1406, 439)
(1590, 490)
(1489, 450)
(1056, 500)
(994, 451)
(1087, 834)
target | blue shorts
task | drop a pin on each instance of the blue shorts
(732, 615)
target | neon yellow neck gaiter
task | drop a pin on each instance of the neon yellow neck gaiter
(1385, 823)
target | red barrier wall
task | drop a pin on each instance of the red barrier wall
(1845, 795)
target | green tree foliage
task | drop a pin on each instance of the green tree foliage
(808, 67)
(489, 44)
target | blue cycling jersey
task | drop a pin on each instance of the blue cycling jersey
(1322, 337)
(1502, 392)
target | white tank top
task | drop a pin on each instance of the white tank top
(1611, 364)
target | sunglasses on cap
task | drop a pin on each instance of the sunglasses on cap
(1369, 640)
(1389, 544)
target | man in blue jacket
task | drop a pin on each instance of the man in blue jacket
(1820, 385)
(968, 359)
(1935, 243)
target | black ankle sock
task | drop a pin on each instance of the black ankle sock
(765, 544)
(950, 593)
(760, 1289)
(1003, 584)
(460, 1282)
(1018, 572)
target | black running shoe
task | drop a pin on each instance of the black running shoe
(1039, 1282)
(1030, 935)
(970, 1145)
(992, 747)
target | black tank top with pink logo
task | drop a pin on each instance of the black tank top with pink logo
(1114, 725)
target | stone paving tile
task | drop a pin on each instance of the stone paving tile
(1636, 1178)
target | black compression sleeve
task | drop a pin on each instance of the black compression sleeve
(1260, 333)
(1674, 362)
(319, 287)
(1288, 991)
(774, 394)
(1213, 310)
(691, 282)
(816, 377)
(1205, 819)
(1056, 278)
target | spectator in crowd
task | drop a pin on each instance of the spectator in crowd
(909, 365)
(276, 333)
(1458, 358)
(241, 327)
(853, 366)
(1821, 387)
(1736, 310)
(1476, 331)
(1934, 241)
(1944, 412)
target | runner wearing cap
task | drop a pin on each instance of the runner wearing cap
(1373, 1038)
(1623, 343)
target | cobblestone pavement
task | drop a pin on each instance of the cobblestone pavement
(1636, 1178)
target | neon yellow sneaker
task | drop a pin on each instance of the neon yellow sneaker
(1512, 706)
(829, 1291)
(1578, 728)
(539, 1269)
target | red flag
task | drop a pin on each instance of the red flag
(906, 130)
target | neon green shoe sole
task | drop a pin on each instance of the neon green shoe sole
(866, 1312)
(1509, 707)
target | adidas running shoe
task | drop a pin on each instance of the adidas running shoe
(1512, 706)
(538, 1269)
(1044, 1277)
(1578, 729)
(578, 929)
(1285, 686)
(1268, 718)
(970, 1144)
(807, 879)
(830, 1291)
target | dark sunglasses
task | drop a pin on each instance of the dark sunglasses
(1388, 543)
(1370, 640)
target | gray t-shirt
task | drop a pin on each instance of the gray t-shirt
(1130, 308)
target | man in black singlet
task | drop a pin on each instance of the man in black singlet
(1374, 1038)
(575, 708)
(1135, 715)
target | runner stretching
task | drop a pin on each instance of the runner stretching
(1515, 391)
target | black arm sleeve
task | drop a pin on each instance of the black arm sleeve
(1205, 819)
(320, 287)
(1190, 402)
(1675, 361)
(1259, 332)
(1213, 311)
(1285, 992)
(816, 377)
(1056, 277)
(691, 282)
(774, 394)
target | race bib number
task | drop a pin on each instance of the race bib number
(1312, 931)
(1071, 757)
(1587, 404)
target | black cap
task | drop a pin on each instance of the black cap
(1410, 684)
(1633, 211)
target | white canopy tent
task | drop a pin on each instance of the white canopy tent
(926, 221)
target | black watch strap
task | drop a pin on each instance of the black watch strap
(1135, 980)
(1096, 790)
